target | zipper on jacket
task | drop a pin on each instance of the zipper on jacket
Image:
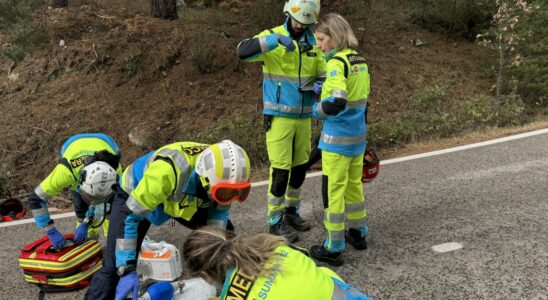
(278, 92)
(300, 63)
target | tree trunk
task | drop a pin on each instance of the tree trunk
(60, 3)
(164, 9)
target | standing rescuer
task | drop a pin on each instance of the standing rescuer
(77, 152)
(343, 140)
(290, 58)
(190, 182)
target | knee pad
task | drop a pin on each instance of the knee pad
(298, 174)
(279, 182)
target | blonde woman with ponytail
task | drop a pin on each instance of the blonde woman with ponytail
(263, 266)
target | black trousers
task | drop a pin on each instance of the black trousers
(104, 282)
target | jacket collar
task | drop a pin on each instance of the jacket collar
(330, 54)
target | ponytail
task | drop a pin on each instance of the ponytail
(214, 251)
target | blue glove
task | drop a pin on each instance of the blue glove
(287, 42)
(128, 283)
(317, 88)
(160, 291)
(56, 238)
(81, 234)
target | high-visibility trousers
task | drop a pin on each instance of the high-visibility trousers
(342, 192)
(288, 146)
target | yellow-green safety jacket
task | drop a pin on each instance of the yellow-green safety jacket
(163, 184)
(284, 72)
(65, 175)
(348, 79)
(291, 275)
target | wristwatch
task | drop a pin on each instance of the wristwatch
(123, 269)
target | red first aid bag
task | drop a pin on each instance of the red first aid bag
(68, 269)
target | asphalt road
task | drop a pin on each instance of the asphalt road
(493, 200)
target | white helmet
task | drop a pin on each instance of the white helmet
(224, 168)
(305, 12)
(96, 181)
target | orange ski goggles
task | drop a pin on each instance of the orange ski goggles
(224, 193)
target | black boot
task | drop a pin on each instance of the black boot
(282, 230)
(353, 236)
(293, 219)
(334, 259)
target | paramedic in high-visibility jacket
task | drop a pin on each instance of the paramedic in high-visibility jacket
(343, 139)
(290, 60)
(190, 182)
(260, 267)
(77, 152)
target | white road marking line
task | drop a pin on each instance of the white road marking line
(31, 220)
(383, 162)
(447, 247)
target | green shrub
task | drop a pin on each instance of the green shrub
(464, 18)
(15, 11)
(132, 65)
(202, 54)
(435, 113)
(532, 73)
(244, 130)
(23, 38)
(16, 18)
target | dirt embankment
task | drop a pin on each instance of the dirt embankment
(120, 69)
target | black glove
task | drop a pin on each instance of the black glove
(267, 122)
(333, 108)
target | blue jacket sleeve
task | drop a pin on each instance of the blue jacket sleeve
(217, 216)
(126, 247)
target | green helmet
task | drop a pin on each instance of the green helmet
(305, 12)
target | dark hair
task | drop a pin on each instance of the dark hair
(112, 159)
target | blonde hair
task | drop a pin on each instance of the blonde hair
(214, 251)
(336, 27)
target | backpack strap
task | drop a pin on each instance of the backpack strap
(63, 161)
(344, 63)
